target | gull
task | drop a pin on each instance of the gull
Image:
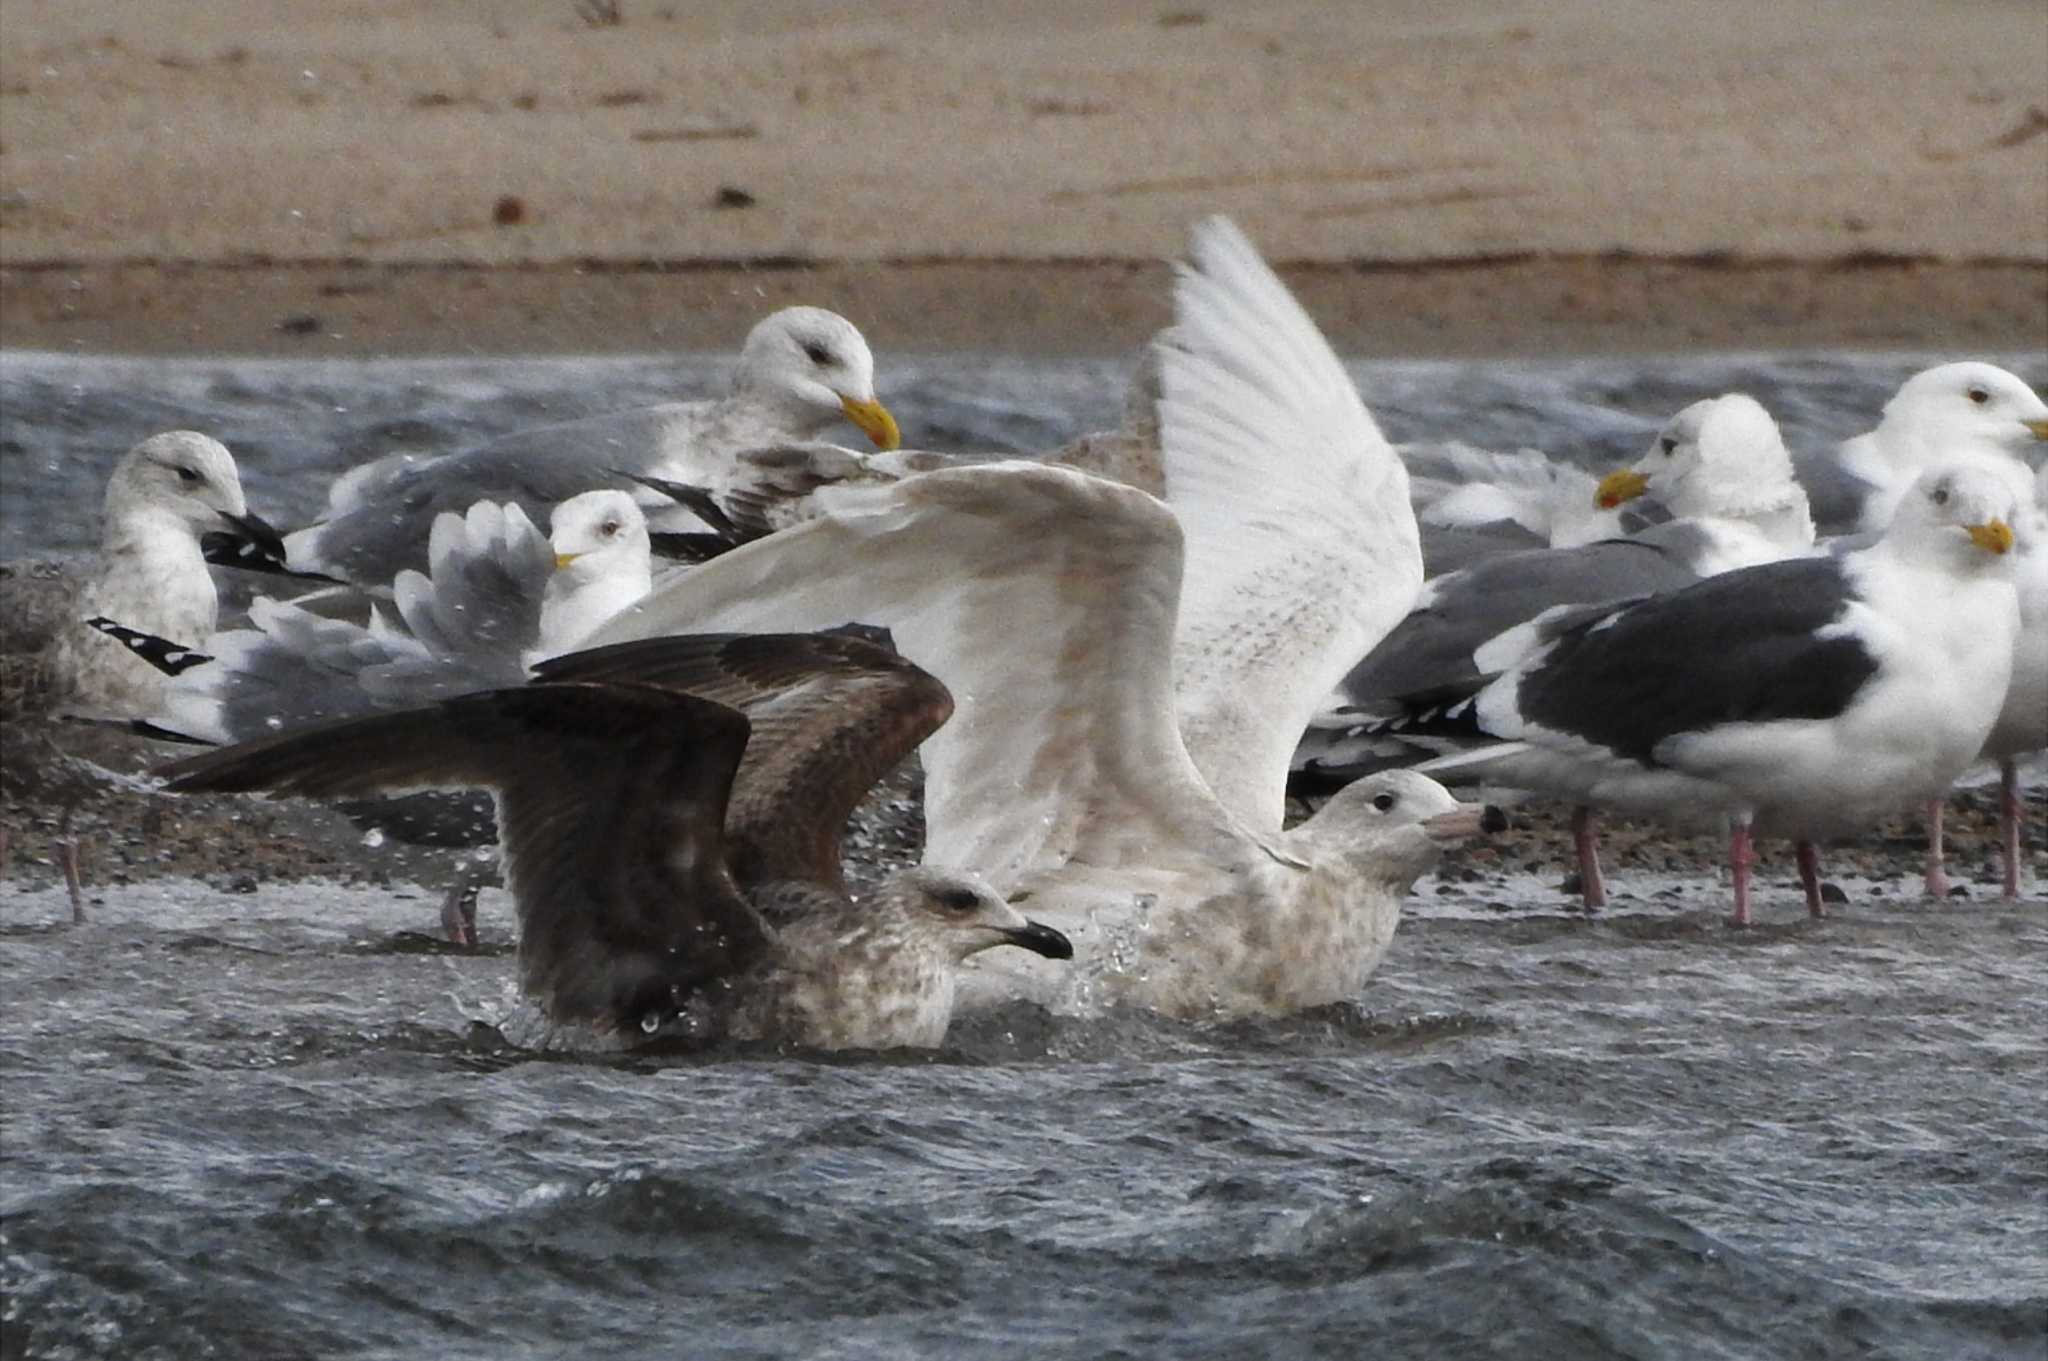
(1802, 698)
(801, 369)
(1968, 410)
(674, 859)
(1131, 674)
(1719, 464)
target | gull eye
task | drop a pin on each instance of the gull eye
(958, 899)
(187, 474)
(1384, 802)
(608, 528)
(1670, 445)
(817, 354)
(1980, 395)
(1941, 496)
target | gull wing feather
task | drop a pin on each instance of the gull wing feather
(1302, 551)
(831, 715)
(611, 807)
(1044, 599)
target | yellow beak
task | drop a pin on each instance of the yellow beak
(1616, 488)
(1993, 536)
(874, 420)
(564, 559)
(2039, 428)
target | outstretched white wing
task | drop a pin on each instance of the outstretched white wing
(1044, 599)
(1301, 548)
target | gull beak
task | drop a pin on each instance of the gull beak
(1993, 536)
(1040, 939)
(564, 559)
(1466, 820)
(1616, 488)
(874, 420)
(2039, 429)
(259, 534)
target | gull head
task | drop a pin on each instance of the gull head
(1961, 514)
(182, 476)
(814, 367)
(598, 533)
(1721, 456)
(1961, 408)
(967, 916)
(1395, 824)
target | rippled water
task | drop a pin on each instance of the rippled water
(273, 1125)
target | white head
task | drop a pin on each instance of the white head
(1959, 514)
(965, 916)
(814, 367)
(1395, 824)
(603, 564)
(1960, 408)
(181, 477)
(1719, 457)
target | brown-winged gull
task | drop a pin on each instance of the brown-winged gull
(1952, 411)
(1131, 674)
(800, 370)
(675, 858)
(162, 497)
(1803, 698)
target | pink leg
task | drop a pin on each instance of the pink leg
(2009, 825)
(67, 856)
(1739, 860)
(1809, 878)
(1937, 874)
(1586, 841)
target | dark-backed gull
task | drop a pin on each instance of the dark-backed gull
(675, 859)
(1801, 699)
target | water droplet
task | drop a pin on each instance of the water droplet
(374, 838)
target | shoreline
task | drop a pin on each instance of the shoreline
(1505, 305)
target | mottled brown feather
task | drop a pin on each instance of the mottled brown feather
(612, 800)
(831, 716)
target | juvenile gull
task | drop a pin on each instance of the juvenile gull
(801, 369)
(1968, 410)
(1131, 675)
(1802, 698)
(163, 496)
(675, 860)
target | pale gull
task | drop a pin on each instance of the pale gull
(1802, 699)
(1951, 412)
(1131, 675)
(163, 496)
(674, 859)
(801, 369)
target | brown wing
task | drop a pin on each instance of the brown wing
(831, 715)
(611, 808)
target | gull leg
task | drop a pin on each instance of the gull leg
(1586, 841)
(1740, 858)
(66, 851)
(1937, 871)
(2009, 825)
(1809, 878)
(458, 908)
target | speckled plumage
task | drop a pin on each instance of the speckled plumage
(672, 875)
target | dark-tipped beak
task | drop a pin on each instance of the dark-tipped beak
(1041, 939)
(1467, 819)
(255, 542)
